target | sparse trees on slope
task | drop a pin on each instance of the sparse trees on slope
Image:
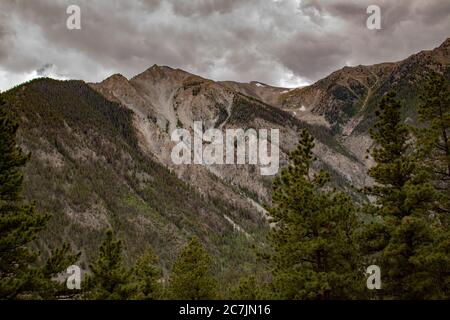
(191, 275)
(315, 251)
(19, 225)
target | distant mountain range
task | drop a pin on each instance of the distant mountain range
(101, 151)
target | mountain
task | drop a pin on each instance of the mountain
(164, 99)
(348, 92)
(346, 100)
(101, 152)
(88, 169)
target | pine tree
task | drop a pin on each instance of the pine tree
(249, 288)
(432, 266)
(19, 225)
(110, 279)
(433, 144)
(147, 274)
(191, 275)
(395, 171)
(434, 139)
(403, 196)
(57, 263)
(315, 250)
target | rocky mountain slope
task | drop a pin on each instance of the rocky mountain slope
(346, 100)
(101, 152)
(88, 169)
(164, 99)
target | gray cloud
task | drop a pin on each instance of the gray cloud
(276, 42)
(201, 8)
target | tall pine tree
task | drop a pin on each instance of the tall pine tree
(191, 276)
(434, 139)
(315, 250)
(148, 275)
(110, 279)
(403, 199)
(433, 144)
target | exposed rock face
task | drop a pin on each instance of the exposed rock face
(164, 99)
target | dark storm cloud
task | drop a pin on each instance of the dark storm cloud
(316, 56)
(3, 40)
(277, 42)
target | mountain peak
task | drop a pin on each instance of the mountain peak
(116, 78)
(160, 72)
(160, 68)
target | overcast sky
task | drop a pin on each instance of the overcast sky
(279, 42)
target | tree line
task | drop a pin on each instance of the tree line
(321, 241)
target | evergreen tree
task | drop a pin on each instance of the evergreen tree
(191, 275)
(55, 265)
(249, 288)
(434, 139)
(403, 196)
(432, 266)
(315, 250)
(148, 275)
(110, 279)
(19, 225)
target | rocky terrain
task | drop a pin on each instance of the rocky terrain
(346, 100)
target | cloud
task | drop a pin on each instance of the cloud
(9, 80)
(283, 42)
(202, 8)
